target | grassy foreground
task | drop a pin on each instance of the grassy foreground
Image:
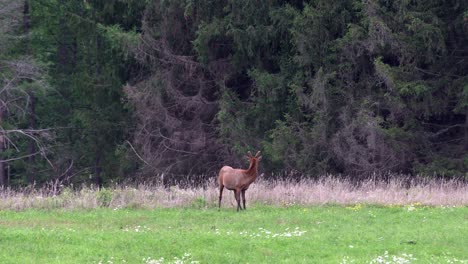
(328, 234)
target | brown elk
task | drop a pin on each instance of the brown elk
(238, 180)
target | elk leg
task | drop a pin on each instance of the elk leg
(221, 187)
(243, 197)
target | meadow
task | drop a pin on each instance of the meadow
(261, 234)
(328, 221)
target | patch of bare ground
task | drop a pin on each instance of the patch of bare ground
(305, 192)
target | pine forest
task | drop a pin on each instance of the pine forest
(101, 92)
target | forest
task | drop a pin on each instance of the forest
(101, 92)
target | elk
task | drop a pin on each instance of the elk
(238, 180)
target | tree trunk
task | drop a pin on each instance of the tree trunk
(97, 170)
(32, 145)
(31, 171)
(26, 23)
(466, 130)
(98, 167)
(66, 48)
(3, 165)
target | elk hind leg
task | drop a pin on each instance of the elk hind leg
(221, 187)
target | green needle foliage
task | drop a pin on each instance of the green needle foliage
(351, 87)
(104, 91)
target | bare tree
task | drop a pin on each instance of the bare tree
(176, 103)
(363, 148)
(19, 78)
(9, 20)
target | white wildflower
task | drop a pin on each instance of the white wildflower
(347, 260)
(403, 259)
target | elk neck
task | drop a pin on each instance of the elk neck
(252, 171)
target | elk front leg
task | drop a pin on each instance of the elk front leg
(243, 197)
(237, 196)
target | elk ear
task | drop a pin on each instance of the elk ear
(258, 154)
(259, 158)
(247, 158)
(249, 154)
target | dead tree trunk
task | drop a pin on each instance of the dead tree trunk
(32, 145)
(98, 170)
(466, 130)
(31, 171)
(3, 165)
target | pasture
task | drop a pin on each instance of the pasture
(262, 234)
(328, 220)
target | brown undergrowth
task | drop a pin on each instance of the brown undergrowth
(305, 192)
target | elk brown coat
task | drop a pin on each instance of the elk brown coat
(238, 180)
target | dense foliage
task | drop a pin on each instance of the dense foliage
(127, 89)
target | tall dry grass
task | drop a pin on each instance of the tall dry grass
(327, 190)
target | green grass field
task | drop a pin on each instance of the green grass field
(328, 234)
